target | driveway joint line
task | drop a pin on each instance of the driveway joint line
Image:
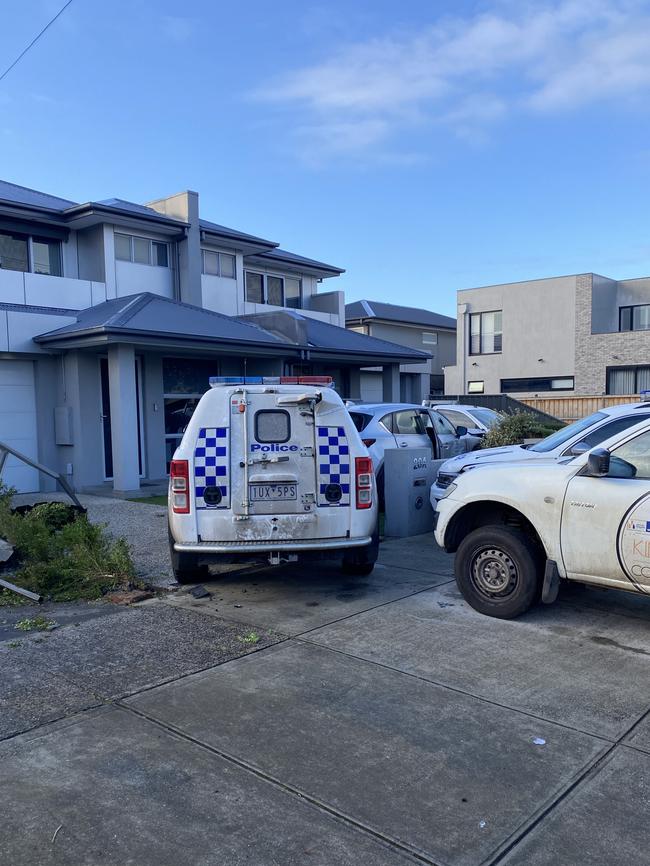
(460, 691)
(286, 787)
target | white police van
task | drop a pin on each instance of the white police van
(271, 469)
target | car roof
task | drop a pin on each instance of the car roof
(464, 407)
(385, 407)
(626, 408)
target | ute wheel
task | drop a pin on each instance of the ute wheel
(499, 571)
(360, 561)
(186, 566)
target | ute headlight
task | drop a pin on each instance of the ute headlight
(448, 490)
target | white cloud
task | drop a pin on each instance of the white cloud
(466, 73)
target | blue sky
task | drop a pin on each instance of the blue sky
(424, 146)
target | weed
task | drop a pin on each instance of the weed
(251, 637)
(35, 623)
(62, 555)
(13, 644)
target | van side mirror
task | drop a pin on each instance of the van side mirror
(461, 431)
(579, 448)
(598, 463)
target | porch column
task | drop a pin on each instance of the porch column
(124, 417)
(390, 382)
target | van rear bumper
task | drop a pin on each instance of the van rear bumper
(207, 547)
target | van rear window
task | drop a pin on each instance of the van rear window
(272, 425)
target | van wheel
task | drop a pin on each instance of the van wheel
(499, 571)
(360, 561)
(185, 566)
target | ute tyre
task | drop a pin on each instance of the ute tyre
(499, 571)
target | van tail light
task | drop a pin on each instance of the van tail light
(179, 480)
(368, 442)
(363, 477)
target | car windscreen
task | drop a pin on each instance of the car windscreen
(561, 436)
(360, 420)
(487, 417)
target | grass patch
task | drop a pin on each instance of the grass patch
(35, 623)
(251, 637)
(150, 500)
(62, 555)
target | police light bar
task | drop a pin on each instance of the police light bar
(271, 380)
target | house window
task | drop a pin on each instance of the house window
(430, 338)
(254, 288)
(271, 289)
(628, 380)
(275, 291)
(219, 264)
(475, 387)
(142, 251)
(30, 254)
(561, 383)
(293, 292)
(634, 318)
(486, 335)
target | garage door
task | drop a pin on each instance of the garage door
(372, 389)
(18, 422)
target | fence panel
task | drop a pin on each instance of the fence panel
(571, 408)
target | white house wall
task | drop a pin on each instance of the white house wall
(132, 278)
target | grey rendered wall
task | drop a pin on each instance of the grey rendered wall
(539, 319)
(90, 254)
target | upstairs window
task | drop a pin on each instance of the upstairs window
(634, 318)
(142, 251)
(486, 334)
(219, 264)
(430, 338)
(271, 289)
(28, 253)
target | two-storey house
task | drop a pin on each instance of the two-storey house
(113, 316)
(583, 334)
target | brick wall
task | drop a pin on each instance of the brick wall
(596, 352)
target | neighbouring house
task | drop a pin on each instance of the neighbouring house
(113, 316)
(411, 327)
(583, 334)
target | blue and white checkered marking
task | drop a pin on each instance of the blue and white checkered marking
(212, 465)
(333, 464)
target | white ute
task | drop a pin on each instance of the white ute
(518, 528)
(271, 469)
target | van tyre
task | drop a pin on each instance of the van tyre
(499, 571)
(360, 561)
(186, 566)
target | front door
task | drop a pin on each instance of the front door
(106, 417)
(605, 534)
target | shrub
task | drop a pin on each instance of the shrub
(513, 428)
(60, 557)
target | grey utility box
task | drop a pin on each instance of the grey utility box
(408, 476)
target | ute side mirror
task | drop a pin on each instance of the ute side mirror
(461, 431)
(598, 463)
(579, 448)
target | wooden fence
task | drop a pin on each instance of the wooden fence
(571, 408)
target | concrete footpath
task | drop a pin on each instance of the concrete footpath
(381, 722)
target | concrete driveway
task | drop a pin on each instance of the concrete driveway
(388, 724)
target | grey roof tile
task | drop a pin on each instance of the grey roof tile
(395, 313)
(24, 195)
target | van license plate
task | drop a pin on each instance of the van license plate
(273, 492)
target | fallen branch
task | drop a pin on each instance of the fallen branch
(12, 586)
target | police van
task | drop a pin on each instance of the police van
(271, 469)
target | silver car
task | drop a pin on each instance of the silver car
(407, 425)
(477, 419)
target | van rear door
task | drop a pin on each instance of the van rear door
(276, 470)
